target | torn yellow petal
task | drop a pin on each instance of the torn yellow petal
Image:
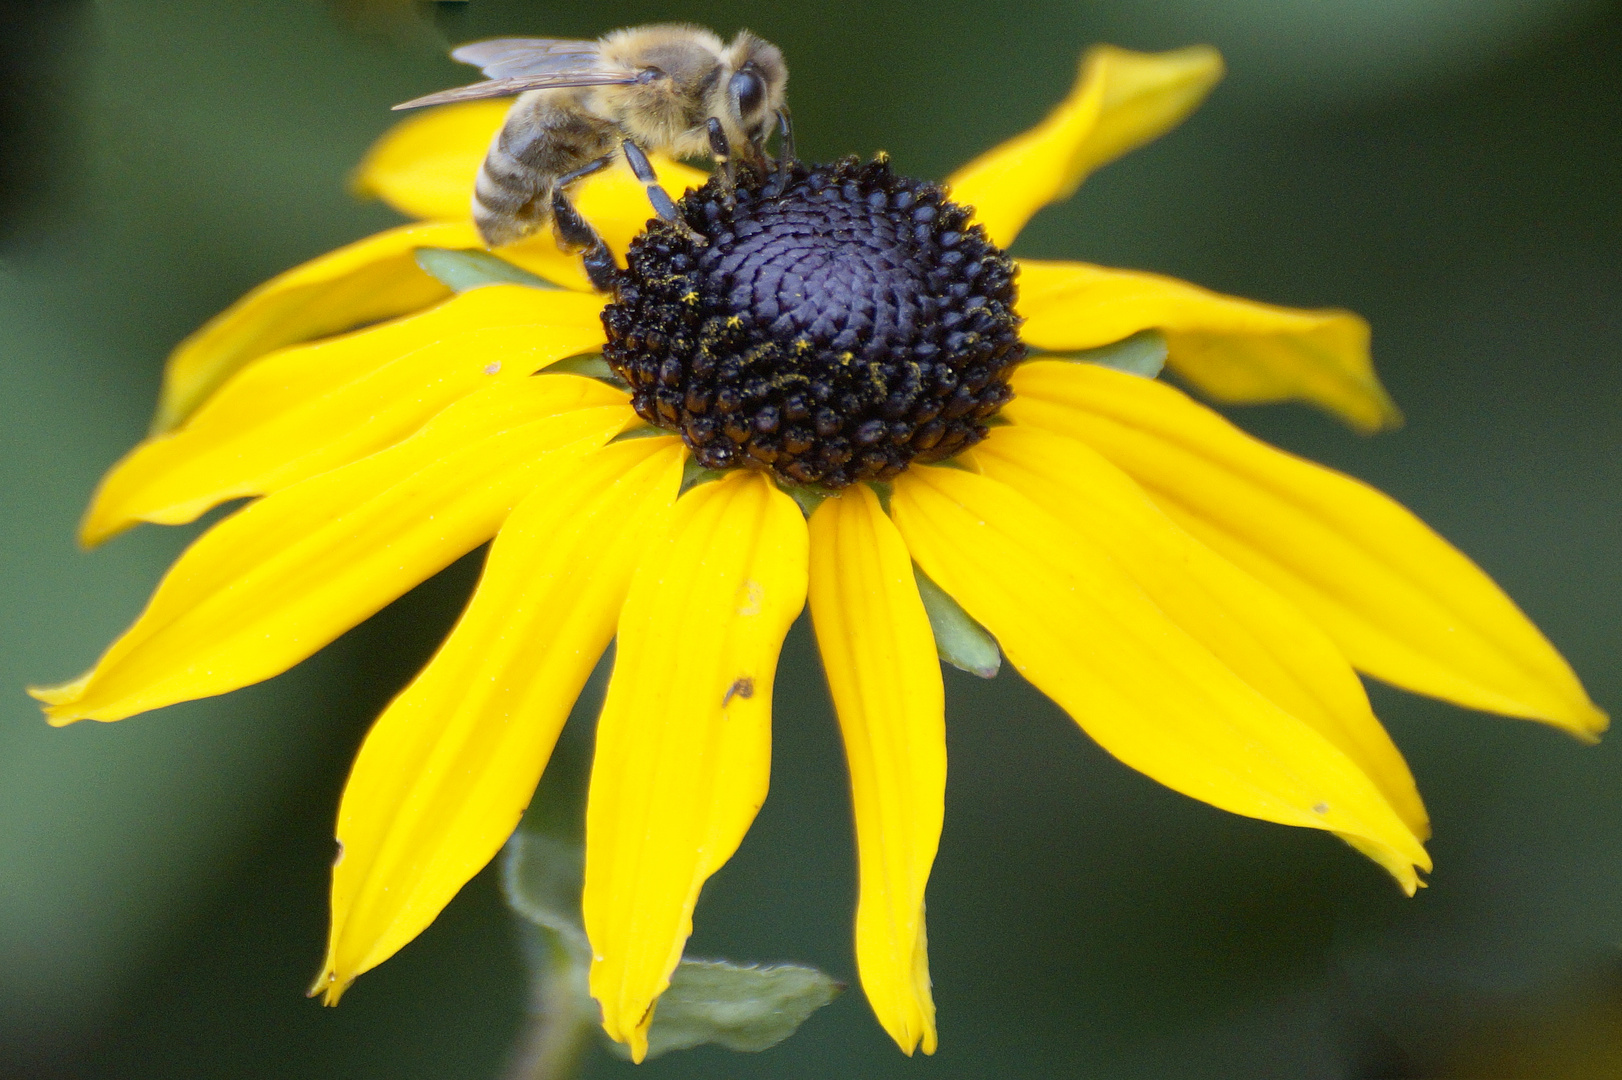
(879, 654)
(371, 279)
(279, 579)
(1261, 636)
(1401, 603)
(1121, 100)
(304, 410)
(1084, 634)
(447, 770)
(424, 166)
(684, 741)
(1232, 349)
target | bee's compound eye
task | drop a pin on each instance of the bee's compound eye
(749, 91)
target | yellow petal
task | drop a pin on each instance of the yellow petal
(447, 770)
(424, 165)
(879, 654)
(279, 579)
(1121, 100)
(1084, 634)
(1401, 603)
(304, 410)
(1261, 636)
(1232, 349)
(684, 741)
(371, 279)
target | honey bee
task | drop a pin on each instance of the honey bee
(672, 88)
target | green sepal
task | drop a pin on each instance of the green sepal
(641, 431)
(959, 640)
(738, 1006)
(694, 474)
(591, 365)
(807, 496)
(462, 269)
(1144, 353)
(587, 365)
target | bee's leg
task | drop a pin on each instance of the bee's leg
(575, 233)
(721, 150)
(595, 166)
(642, 168)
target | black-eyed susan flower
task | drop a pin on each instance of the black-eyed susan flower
(845, 392)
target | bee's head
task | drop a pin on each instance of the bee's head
(678, 67)
(755, 80)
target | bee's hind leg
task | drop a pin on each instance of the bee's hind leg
(642, 168)
(575, 233)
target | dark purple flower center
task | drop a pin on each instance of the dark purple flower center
(831, 330)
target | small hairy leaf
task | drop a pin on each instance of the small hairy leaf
(541, 875)
(738, 1006)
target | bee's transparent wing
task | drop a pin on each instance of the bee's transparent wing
(521, 83)
(504, 58)
(519, 64)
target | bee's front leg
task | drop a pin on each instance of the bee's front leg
(642, 168)
(785, 147)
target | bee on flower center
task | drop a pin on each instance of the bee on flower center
(671, 88)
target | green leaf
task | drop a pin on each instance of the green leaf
(469, 268)
(959, 640)
(1144, 353)
(738, 1006)
(741, 1007)
(541, 875)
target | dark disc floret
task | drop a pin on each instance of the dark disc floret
(829, 330)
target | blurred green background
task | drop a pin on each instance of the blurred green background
(1450, 168)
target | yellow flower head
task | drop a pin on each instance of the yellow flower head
(1198, 601)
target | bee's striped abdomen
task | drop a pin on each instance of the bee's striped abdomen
(545, 136)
